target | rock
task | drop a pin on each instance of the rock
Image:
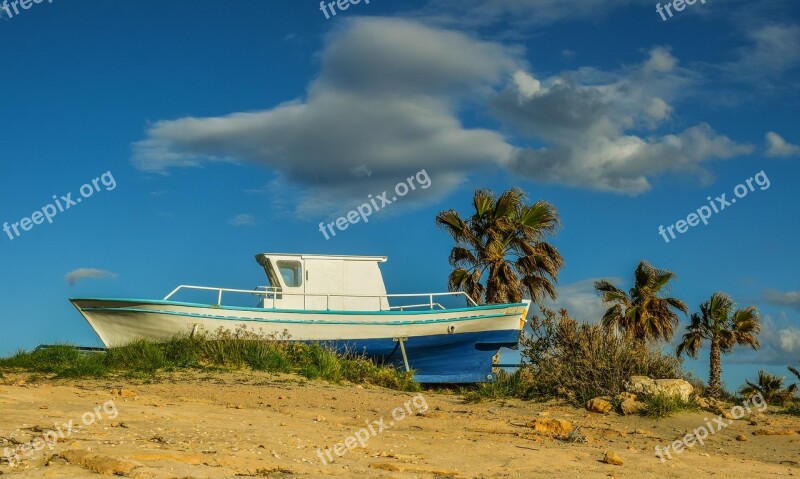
(775, 432)
(623, 396)
(612, 458)
(99, 464)
(554, 427)
(668, 387)
(741, 437)
(319, 419)
(598, 405)
(393, 467)
(122, 392)
(632, 406)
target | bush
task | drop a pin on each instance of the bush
(580, 361)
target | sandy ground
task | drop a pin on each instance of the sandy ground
(258, 425)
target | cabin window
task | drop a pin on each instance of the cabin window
(291, 272)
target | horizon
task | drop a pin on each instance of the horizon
(140, 153)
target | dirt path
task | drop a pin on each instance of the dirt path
(215, 426)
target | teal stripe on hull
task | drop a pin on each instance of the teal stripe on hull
(299, 311)
(293, 321)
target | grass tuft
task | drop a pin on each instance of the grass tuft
(793, 409)
(662, 405)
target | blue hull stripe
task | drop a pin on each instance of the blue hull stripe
(445, 358)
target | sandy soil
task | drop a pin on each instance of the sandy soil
(258, 425)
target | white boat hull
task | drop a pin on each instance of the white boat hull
(452, 345)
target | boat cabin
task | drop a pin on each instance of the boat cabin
(323, 282)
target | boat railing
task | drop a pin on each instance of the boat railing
(273, 293)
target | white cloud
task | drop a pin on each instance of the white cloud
(243, 219)
(781, 298)
(580, 300)
(589, 123)
(385, 101)
(83, 273)
(777, 146)
(774, 49)
(780, 341)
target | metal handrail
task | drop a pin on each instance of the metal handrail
(273, 291)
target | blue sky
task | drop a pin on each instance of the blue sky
(236, 128)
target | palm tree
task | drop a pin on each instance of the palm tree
(771, 389)
(724, 328)
(504, 238)
(795, 372)
(643, 313)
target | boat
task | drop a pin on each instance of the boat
(340, 301)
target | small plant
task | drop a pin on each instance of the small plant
(663, 405)
(793, 409)
(514, 385)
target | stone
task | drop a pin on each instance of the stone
(625, 395)
(701, 403)
(612, 458)
(598, 405)
(632, 406)
(554, 427)
(775, 432)
(668, 387)
(741, 437)
(414, 469)
(99, 464)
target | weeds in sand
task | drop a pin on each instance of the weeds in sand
(222, 351)
(793, 409)
(664, 405)
(506, 386)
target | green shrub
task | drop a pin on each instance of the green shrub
(580, 361)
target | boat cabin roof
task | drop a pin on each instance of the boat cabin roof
(262, 256)
(320, 274)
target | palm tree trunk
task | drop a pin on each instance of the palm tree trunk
(715, 372)
(492, 292)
